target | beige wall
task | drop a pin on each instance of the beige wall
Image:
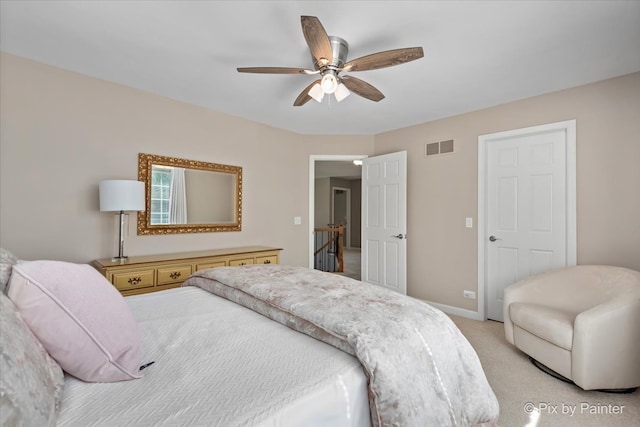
(442, 190)
(322, 202)
(62, 133)
(355, 207)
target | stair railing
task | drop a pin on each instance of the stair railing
(329, 249)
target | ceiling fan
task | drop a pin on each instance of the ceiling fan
(330, 59)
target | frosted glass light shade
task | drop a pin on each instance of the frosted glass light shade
(342, 92)
(329, 83)
(121, 195)
(316, 92)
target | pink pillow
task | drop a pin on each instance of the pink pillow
(80, 318)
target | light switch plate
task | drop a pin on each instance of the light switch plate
(297, 220)
(469, 222)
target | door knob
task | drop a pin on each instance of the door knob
(494, 238)
(400, 236)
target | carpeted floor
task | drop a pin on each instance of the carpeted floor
(351, 263)
(520, 386)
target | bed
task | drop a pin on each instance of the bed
(238, 346)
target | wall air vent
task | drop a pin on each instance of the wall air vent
(433, 148)
(436, 148)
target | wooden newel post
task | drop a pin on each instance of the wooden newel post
(340, 248)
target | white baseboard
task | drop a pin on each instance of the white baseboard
(456, 311)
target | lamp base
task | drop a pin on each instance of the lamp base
(120, 259)
(121, 256)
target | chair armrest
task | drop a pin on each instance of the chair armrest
(606, 345)
(534, 290)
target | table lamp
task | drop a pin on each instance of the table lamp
(119, 196)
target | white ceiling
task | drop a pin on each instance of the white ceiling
(477, 53)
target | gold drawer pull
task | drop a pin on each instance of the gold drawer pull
(268, 261)
(243, 263)
(134, 280)
(175, 275)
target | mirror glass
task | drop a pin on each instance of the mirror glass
(188, 196)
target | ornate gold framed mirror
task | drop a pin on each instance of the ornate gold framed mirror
(189, 196)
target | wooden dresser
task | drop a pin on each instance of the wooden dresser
(139, 275)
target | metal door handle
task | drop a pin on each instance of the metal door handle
(400, 236)
(494, 238)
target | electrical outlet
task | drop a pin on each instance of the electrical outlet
(469, 294)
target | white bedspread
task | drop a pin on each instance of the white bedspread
(219, 364)
(421, 370)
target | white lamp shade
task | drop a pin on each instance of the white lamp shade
(316, 92)
(329, 83)
(341, 93)
(121, 195)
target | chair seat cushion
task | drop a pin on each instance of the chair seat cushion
(550, 324)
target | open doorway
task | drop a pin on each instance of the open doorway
(334, 179)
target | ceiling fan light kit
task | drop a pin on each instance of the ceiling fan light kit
(329, 54)
(329, 83)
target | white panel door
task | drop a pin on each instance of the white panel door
(526, 210)
(384, 221)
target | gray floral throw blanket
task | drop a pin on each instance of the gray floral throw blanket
(421, 370)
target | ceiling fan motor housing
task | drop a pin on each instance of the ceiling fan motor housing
(339, 49)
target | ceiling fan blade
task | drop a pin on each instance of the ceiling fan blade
(362, 88)
(274, 70)
(317, 40)
(304, 96)
(388, 58)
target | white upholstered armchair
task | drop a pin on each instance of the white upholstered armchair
(582, 322)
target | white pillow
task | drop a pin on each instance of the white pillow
(80, 318)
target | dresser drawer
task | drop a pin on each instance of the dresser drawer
(272, 259)
(173, 274)
(136, 279)
(206, 265)
(152, 273)
(243, 261)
